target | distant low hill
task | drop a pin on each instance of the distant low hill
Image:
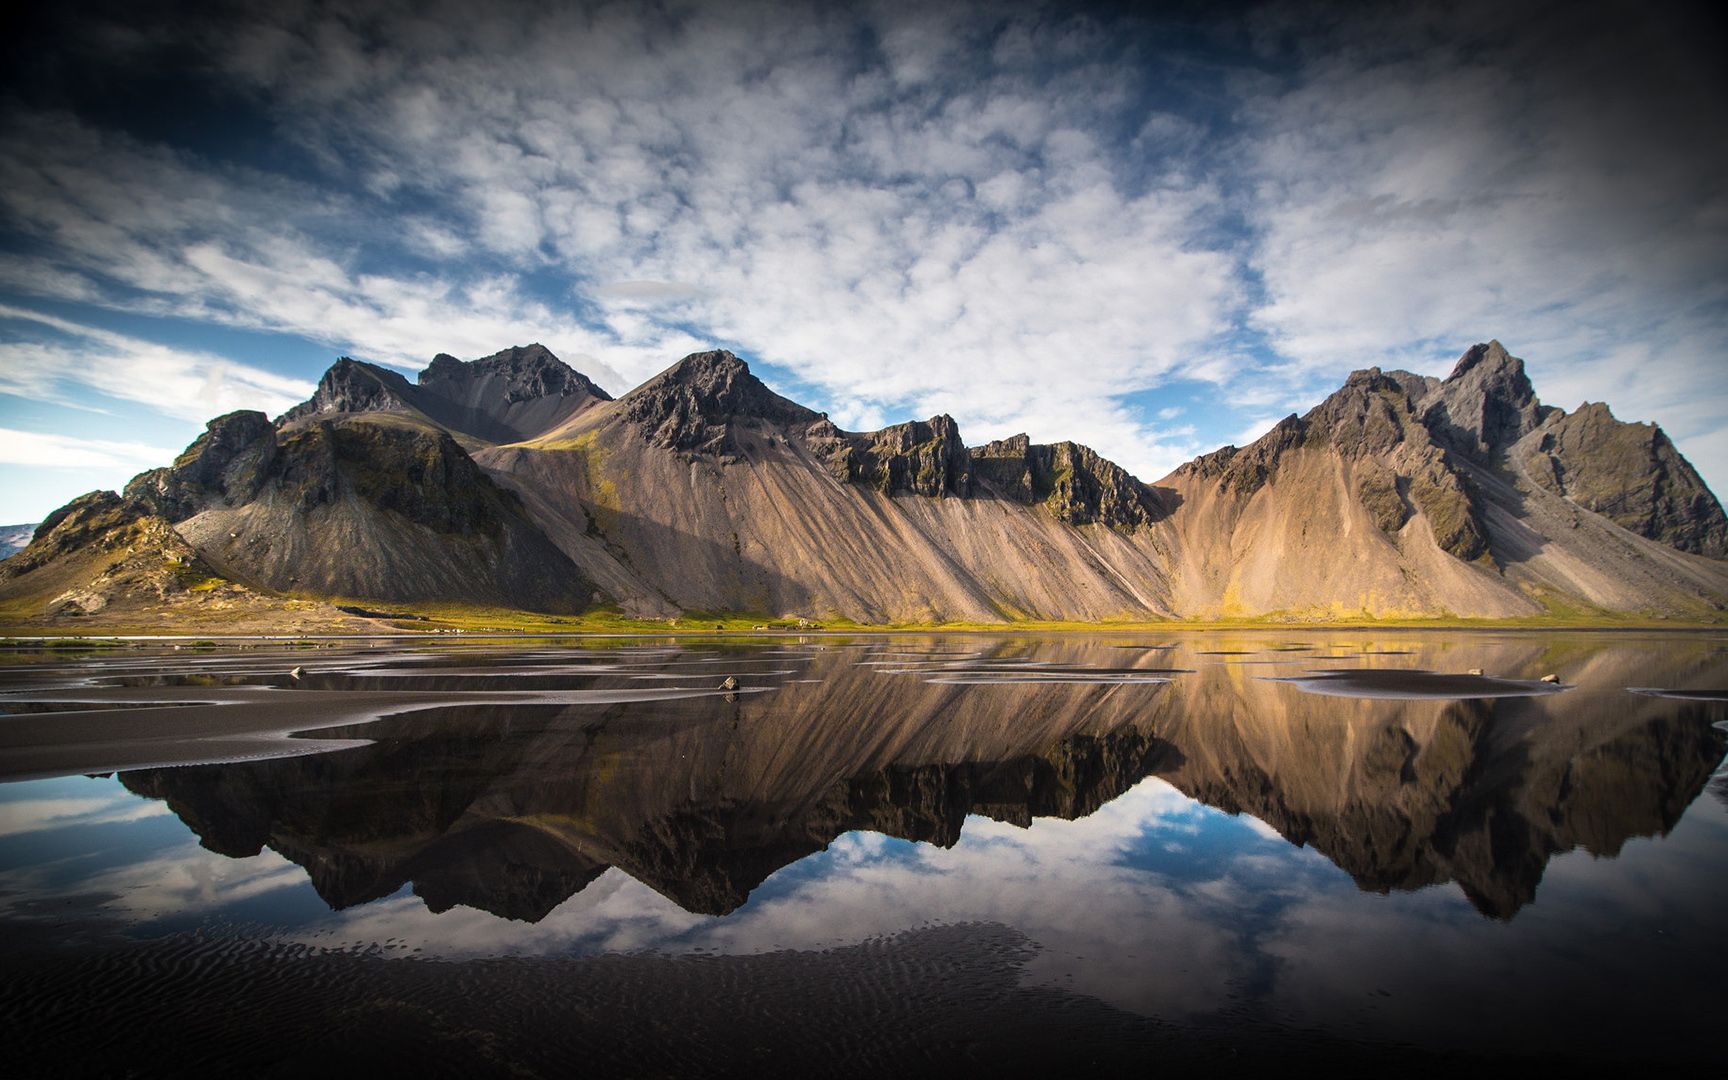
(15, 538)
(514, 481)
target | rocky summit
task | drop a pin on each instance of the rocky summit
(513, 481)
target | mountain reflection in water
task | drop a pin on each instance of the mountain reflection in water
(873, 856)
(513, 809)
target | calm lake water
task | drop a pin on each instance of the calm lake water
(869, 855)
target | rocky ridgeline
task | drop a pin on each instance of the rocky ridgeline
(697, 408)
(525, 373)
(350, 386)
(1072, 481)
(693, 407)
(923, 457)
(454, 488)
(101, 548)
(1629, 473)
(421, 474)
(927, 457)
(506, 397)
(1414, 440)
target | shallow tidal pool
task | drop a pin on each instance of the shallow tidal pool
(1372, 850)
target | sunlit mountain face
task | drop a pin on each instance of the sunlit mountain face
(1204, 836)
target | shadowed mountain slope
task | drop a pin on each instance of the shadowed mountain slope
(511, 395)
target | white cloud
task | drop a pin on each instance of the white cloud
(42, 814)
(175, 382)
(47, 451)
(1003, 218)
(1254, 430)
(1412, 195)
(903, 240)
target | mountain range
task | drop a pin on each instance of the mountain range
(514, 482)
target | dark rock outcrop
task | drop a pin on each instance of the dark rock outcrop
(1081, 488)
(389, 511)
(1372, 414)
(923, 457)
(1376, 422)
(525, 372)
(1631, 474)
(1244, 470)
(508, 397)
(421, 474)
(1072, 481)
(1448, 500)
(692, 406)
(1485, 405)
(224, 466)
(350, 386)
(424, 476)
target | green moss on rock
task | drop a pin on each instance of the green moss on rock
(1377, 489)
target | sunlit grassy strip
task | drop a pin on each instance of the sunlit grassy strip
(466, 619)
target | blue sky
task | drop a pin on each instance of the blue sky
(1152, 230)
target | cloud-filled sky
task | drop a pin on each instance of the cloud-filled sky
(1150, 229)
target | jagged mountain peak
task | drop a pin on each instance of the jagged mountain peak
(691, 405)
(351, 385)
(1630, 473)
(527, 371)
(723, 385)
(1493, 360)
(1371, 413)
(510, 396)
(1485, 405)
(710, 360)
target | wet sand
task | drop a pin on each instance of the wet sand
(946, 1001)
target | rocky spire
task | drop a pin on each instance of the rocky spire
(524, 372)
(1485, 405)
(692, 404)
(350, 386)
(1631, 474)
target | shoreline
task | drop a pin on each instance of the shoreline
(17, 637)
